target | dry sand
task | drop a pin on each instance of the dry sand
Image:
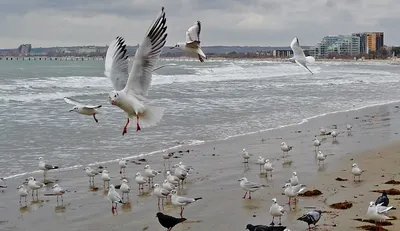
(373, 146)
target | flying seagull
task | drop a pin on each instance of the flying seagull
(83, 109)
(192, 44)
(131, 89)
(298, 55)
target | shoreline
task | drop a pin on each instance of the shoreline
(217, 167)
(199, 143)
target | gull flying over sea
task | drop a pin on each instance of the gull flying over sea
(192, 45)
(83, 109)
(131, 89)
(298, 55)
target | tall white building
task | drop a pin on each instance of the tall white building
(338, 44)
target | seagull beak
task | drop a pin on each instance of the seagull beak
(113, 102)
(71, 110)
(172, 48)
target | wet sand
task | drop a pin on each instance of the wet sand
(374, 146)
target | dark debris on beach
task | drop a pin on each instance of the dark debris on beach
(391, 191)
(341, 205)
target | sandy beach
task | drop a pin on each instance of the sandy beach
(218, 165)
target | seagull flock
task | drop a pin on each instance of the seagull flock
(130, 91)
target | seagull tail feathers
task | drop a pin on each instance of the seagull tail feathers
(151, 116)
(197, 198)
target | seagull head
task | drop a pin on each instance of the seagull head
(176, 46)
(294, 173)
(21, 186)
(113, 96)
(74, 109)
(243, 179)
(124, 181)
(286, 185)
(86, 168)
(173, 191)
(274, 200)
(111, 187)
(156, 185)
(371, 204)
(137, 174)
(267, 161)
(55, 186)
(147, 166)
(354, 165)
(31, 178)
(40, 158)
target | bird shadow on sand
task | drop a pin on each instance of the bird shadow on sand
(126, 207)
(25, 209)
(251, 204)
(192, 221)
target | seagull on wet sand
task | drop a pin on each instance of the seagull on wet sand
(149, 173)
(249, 186)
(106, 178)
(172, 179)
(285, 148)
(167, 185)
(34, 186)
(246, 156)
(383, 199)
(261, 162)
(161, 194)
(114, 197)
(276, 211)
(311, 218)
(122, 166)
(167, 156)
(268, 168)
(185, 167)
(180, 173)
(292, 191)
(317, 143)
(168, 221)
(334, 134)
(298, 55)
(348, 128)
(321, 157)
(83, 109)
(294, 180)
(125, 188)
(140, 180)
(322, 131)
(376, 215)
(45, 167)
(91, 174)
(22, 192)
(182, 201)
(192, 45)
(131, 89)
(356, 171)
(58, 191)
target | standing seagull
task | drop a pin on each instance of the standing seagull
(349, 127)
(376, 214)
(59, 192)
(292, 191)
(261, 162)
(83, 109)
(321, 157)
(91, 174)
(356, 171)
(192, 44)
(125, 188)
(114, 198)
(268, 168)
(22, 192)
(311, 217)
(45, 167)
(122, 166)
(168, 221)
(130, 90)
(285, 148)
(34, 186)
(140, 180)
(182, 201)
(276, 211)
(249, 186)
(167, 156)
(298, 55)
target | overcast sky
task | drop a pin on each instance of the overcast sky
(225, 22)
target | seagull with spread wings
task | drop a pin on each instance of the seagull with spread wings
(192, 44)
(83, 108)
(131, 89)
(298, 55)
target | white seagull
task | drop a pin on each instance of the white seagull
(246, 156)
(182, 201)
(91, 174)
(349, 127)
(285, 148)
(172, 179)
(321, 157)
(22, 192)
(356, 171)
(180, 173)
(58, 191)
(249, 186)
(161, 194)
(192, 44)
(149, 173)
(114, 197)
(34, 186)
(83, 109)
(292, 191)
(276, 211)
(294, 180)
(140, 180)
(167, 156)
(167, 185)
(125, 188)
(298, 55)
(377, 214)
(122, 166)
(261, 162)
(106, 178)
(45, 167)
(268, 167)
(317, 143)
(322, 131)
(131, 89)
(334, 134)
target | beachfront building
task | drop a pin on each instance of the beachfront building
(370, 41)
(24, 49)
(287, 52)
(338, 45)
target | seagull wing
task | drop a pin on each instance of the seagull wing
(193, 35)
(147, 56)
(252, 185)
(303, 64)
(297, 51)
(116, 64)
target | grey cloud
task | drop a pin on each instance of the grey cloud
(231, 22)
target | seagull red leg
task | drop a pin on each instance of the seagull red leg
(126, 127)
(244, 197)
(137, 123)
